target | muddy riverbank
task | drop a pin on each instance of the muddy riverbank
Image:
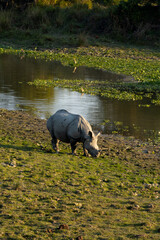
(115, 196)
(23, 126)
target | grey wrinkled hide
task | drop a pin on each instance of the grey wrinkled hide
(72, 128)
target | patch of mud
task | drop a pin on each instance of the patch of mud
(143, 154)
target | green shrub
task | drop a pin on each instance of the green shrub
(134, 18)
(82, 40)
(45, 2)
(36, 17)
(124, 20)
(64, 3)
(5, 20)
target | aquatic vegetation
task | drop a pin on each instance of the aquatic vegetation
(143, 66)
(120, 91)
(157, 101)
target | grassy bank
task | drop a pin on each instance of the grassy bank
(50, 196)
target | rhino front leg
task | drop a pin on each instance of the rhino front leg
(85, 152)
(55, 142)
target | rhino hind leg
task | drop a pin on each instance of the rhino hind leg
(55, 142)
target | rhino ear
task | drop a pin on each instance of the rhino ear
(90, 134)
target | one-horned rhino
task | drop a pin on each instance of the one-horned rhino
(72, 128)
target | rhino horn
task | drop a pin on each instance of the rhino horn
(98, 135)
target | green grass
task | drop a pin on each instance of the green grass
(112, 197)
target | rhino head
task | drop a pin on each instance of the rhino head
(90, 144)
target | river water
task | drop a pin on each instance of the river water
(125, 117)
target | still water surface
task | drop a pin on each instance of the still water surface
(125, 117)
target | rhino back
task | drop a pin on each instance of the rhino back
(65, 126)
(58, 124)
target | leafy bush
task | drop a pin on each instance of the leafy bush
(64, 3)
(5, 20)
(36, 17)
(135, 18)
(132, 19)
(7, 4)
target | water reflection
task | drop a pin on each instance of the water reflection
(15, 93)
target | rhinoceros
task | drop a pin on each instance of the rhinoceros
(72, 128)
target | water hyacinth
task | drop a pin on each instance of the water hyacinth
(117, 91)
(143, 66)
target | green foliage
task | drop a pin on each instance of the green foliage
(36, 17)
(64, 3)
(46, 2)
(130, 91)
(108, 2)
(125, 20)
(5, 20)
(136, 17)
(145, 2)
(126, 17)
(16, 4)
